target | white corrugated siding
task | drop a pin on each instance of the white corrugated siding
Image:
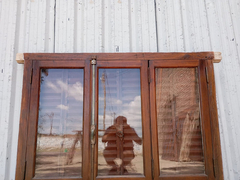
(202, 26)
(120, 26)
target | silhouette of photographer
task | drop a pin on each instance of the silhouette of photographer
(119, 150)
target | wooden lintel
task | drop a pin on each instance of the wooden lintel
(20, 58)
(216, 57)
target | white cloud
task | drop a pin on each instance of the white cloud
(63, 107)
(75, 90)
(53, 87)
(118, 101)
(132, 110)
(112, 100)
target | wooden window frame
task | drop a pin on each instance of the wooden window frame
(143, 67)
(30, 96)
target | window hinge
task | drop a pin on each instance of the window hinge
(214, 167)
(152, 169)
(149, 78)
(31, 76)
(206, 70)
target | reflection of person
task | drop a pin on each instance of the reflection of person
(119, 138)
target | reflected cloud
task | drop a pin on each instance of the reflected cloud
(75, 90)
(63, 107)
(118, 101)
(53, 86)
(108, 117)
(113, 101)
(132, 110)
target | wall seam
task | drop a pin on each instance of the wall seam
(54, 28)
(209, 33)
(230, 8)
(12, 94)
(184, 42)
(156, 24)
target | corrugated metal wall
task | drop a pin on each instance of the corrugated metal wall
(121, 26)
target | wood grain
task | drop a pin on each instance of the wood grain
(23, 130)
(121, 56)
(217, 154)
(205, 120)
(86, 123)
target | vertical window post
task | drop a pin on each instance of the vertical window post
(93, 126)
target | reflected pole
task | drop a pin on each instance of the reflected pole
(104, 90)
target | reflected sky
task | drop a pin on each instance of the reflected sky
(61, 101)
(123, 97)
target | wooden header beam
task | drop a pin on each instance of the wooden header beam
(216, 57)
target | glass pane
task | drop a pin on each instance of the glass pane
(59, 139)
(119, 122)
(178, 119)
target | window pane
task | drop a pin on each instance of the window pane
(119, 122)
(59, 139)
(178, 118)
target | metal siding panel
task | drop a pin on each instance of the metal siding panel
(78, 24)
(118, 26)
(107, 26)
(170, 26)
(210, 25)
(227, 83)
(125, 27)
(187, 30)
(222, 26)
(98, 27)
(25, 26)
(7, 27)
(216, 43)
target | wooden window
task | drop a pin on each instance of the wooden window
(155, 116)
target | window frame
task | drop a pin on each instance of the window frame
(204, 111)
(143, 67)
(31, 61)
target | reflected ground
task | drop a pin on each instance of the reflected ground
(54, 161)
(134, 167)
(172, 167)
(53, 164)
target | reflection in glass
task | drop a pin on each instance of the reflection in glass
(178, 118)
(59, 139)
(119, 122)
